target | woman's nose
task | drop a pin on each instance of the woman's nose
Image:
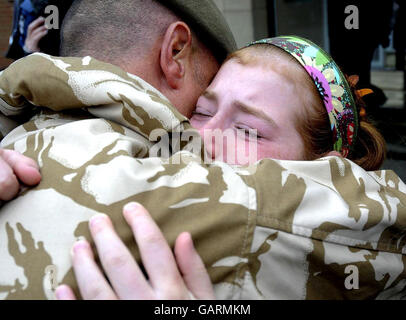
(212, 132)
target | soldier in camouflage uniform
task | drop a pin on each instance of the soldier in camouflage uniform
(276, 230)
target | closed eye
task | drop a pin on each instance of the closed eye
(201, 113)
(249, 132)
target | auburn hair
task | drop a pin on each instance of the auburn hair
(314, 125)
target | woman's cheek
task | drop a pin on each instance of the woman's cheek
(244, 151)
(269, 150)
(194, 123)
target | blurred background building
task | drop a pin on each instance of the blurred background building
(320, 21)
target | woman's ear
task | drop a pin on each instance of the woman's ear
(175, 53)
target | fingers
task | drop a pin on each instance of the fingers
(35, 24)
(92, 283)
(155, 251)
(64, 293)
(38, 34)
(36, 31)
(9, 185)
(120, 266)
(34, 37)
(14, 166)
(23, 167)
(128, 282)
(192, 268)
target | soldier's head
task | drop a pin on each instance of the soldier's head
(175, 45)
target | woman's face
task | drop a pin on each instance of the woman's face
(249, 97)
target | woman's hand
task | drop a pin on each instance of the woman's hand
(14, 167)
(179, 277)
(36, 31)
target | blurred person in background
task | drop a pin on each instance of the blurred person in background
(353, 49)
(30, 33)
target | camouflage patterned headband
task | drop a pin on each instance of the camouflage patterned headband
(331, 84)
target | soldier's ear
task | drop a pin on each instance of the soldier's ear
(176, 52)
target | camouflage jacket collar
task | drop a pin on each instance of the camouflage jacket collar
(104, 90)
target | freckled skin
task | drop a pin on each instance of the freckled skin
(260, 89)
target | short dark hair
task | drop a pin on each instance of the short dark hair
(108, 29)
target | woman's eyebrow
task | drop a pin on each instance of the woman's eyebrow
(256, 112)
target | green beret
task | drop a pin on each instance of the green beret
(207, 21)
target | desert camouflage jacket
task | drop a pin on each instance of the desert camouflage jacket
(325, 229)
